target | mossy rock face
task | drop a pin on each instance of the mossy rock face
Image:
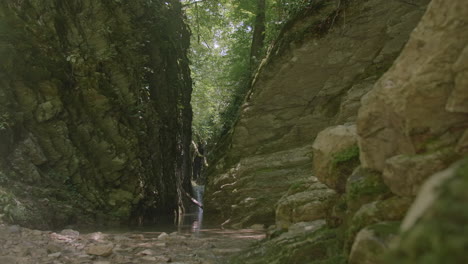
(74, 116)
(315, 246)
(372, 242)
(440, 234)
(311, 204)
(392, 209)
(364, 186)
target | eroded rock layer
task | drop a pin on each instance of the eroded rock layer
(401, 191)
(312, 79)
(95, 109)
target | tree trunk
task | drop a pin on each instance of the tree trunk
(258, 35)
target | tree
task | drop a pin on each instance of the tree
(258, 38)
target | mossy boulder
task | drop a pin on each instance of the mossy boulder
(404, 174)
(391, 209)
(310, 204)
(372, 242)
(316, 245)
(336, 155)
(436, 227)
(364, 186)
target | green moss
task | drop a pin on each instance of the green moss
(392, 209)
(386, 228)
(343, 165)
(346, 155)
(322, 246)
(298, 186)
(364, 186)
(337, 259)
(441, 235)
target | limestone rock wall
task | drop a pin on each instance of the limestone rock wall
(94, 108)
(401, 191)
(313, 78)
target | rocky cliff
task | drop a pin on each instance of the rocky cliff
(313, 78)
(95, 110)
(388, 184)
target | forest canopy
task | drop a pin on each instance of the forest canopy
(229, 39)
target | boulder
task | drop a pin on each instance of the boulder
(404, 174)
(372, 242)
(104, 250)
(423, 94)
(391, 209)
(308, 205)
(434, 230)
(336, 155)
(364, 186)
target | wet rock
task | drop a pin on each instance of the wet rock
(100, 250)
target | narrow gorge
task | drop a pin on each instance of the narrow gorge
(349, 146)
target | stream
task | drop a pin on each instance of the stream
(188, 243)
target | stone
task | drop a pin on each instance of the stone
(421, 96)
(163, 235)
(53, 248)
(100, 250)
(428, 195)
(9, 260)
(257, 227)
(311, 204)
(14, 229)
(458, 99)
(391, 209)
(335, 155)
(462, 145)
(55, 255)
(48, 110)
(434, 228)
(146, 252)
(372, 242)
(70, 233)
(301, 227)
(404, 174)
(364, 186)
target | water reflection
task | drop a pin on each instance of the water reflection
(193, 220)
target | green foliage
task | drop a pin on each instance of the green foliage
(221, 39)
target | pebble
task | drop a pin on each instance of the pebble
(163, 235)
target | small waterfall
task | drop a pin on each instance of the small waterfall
(193, 219)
